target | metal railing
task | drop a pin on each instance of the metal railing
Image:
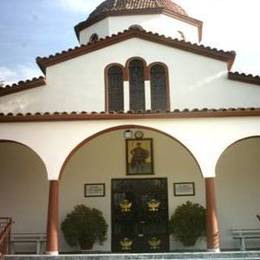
(5, 235)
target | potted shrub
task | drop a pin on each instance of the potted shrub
(84, 226)
(188, 223)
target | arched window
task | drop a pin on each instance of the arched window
(136, 84)
(115, 88)
(136, 26)
(93, 38)
(159, 95)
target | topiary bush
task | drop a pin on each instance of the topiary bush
(188, 223)
(84, 226)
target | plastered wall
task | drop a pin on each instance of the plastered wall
(159, 23)
(24, 186)
(78, 84)
(103, 159)
(238, 180)
(23, 190)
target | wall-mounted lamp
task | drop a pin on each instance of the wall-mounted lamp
(128, 134)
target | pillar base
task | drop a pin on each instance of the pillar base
(52, 253)
(214, 250)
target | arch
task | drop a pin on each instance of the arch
(160, 90)
(114, 87)
(146, 74)
(136, 70)
(237, 184)
(29, 148)
(94, 37)
(122, 127)
(232, 144)
(24, 186)
(136, 27)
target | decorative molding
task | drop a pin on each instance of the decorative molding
(22, 85)
(184, 18)
(81, 116)
(226, 56)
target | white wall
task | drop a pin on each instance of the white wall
(238, 193)
(101, 28)
(157, 23)
(206, 138)
(78, 84)
(103, 159)
(23, 190)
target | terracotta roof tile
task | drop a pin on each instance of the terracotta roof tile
(214, 53)
(78, 116)
(135, 7)
(120, 5)
(251, 79)
(22, 85)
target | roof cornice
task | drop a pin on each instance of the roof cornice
(244, 78)
(84, 116)
(226, 56)
(158, 10)
(22, 85)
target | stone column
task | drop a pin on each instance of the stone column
(213, 240)
(53, 219)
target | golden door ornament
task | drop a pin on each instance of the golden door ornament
(125, 206)
(126, 244)
(153, 205)
(154, 243)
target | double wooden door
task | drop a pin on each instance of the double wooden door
(140, 215)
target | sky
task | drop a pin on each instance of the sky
(31, 28)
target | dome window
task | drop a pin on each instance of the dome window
(182, 36)
(93, 38)
(136, 27)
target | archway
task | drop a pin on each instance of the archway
(102, 158)
(23, 189)
(238, 179)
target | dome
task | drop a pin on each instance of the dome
(115, 7)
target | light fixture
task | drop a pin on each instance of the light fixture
(128, 134)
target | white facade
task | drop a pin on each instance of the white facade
(92, 150)
(159, 23)
(79, 84)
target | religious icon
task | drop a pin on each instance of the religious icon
(139, 156)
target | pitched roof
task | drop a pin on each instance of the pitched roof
(79, 116)
(22, 85)
(244, 78)
(227, 56)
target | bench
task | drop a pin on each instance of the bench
(244, 234)
(28, 238)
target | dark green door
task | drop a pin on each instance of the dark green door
(140, 215)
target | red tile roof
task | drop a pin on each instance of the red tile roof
(22, 85)
(244, 78)
(78, 116)
(136, 7)
(227, 56)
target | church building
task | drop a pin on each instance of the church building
(137, 120)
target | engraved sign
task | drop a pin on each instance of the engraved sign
(95, 190)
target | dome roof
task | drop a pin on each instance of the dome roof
(125, 6)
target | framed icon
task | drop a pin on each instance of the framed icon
(139, 156)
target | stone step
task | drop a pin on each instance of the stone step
(249, 255)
